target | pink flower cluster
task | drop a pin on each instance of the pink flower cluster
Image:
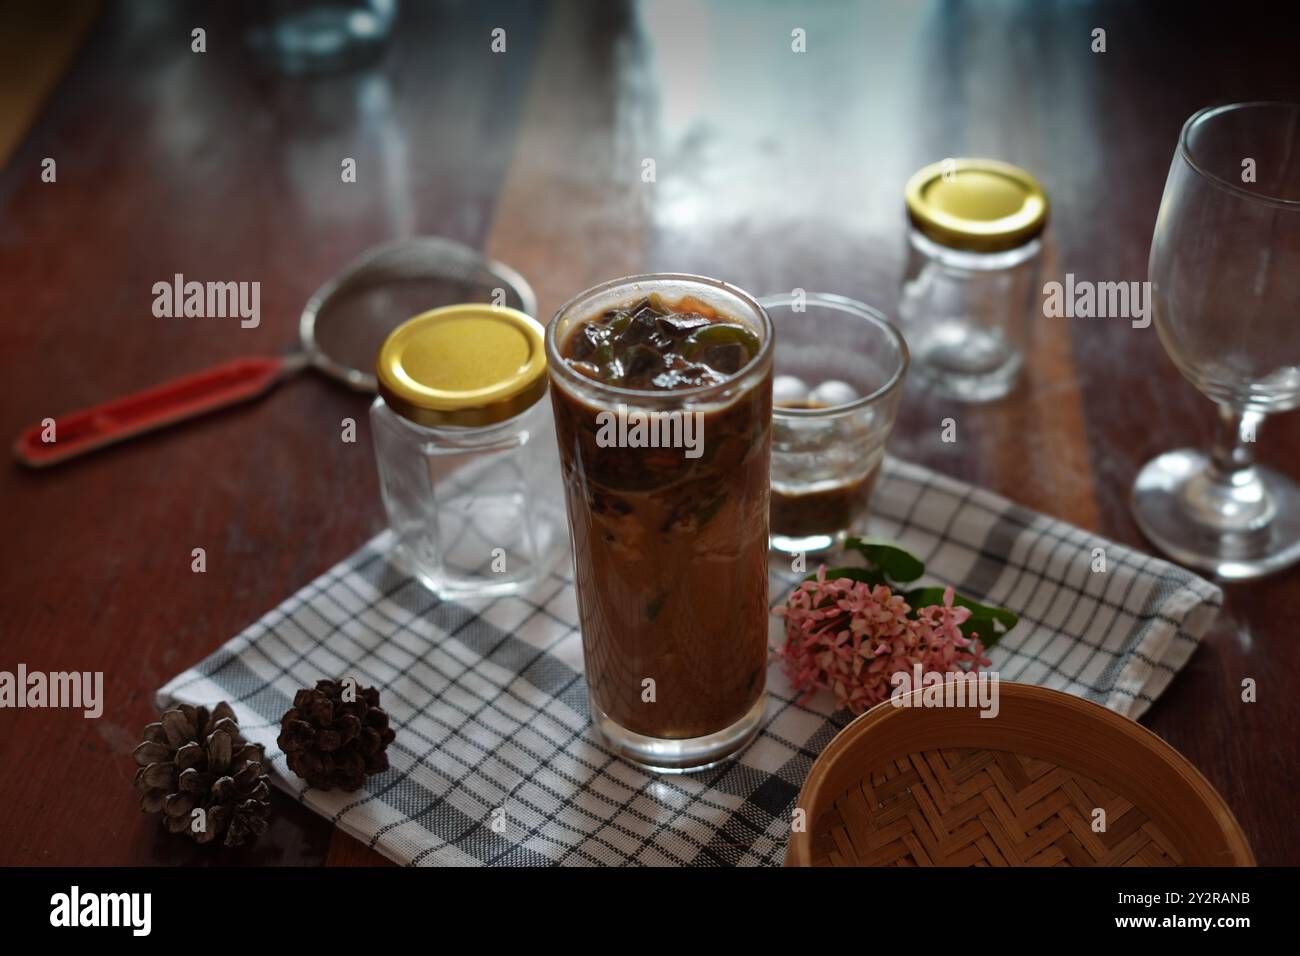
(850, 638)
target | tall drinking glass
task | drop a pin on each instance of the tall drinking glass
(1225, 275)
(669, 543)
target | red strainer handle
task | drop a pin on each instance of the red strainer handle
(79, 432)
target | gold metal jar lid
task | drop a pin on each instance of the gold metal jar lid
(978, 205)
(463, 365)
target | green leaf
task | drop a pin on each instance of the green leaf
(984, 620)
(893, 561)
(720, 333)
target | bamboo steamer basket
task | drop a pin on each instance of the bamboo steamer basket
(942, 786)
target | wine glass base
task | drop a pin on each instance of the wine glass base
(1159, 509)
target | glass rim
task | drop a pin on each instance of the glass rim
(1209, 112)
(875, 317)
(560, 370)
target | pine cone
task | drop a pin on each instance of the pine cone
(196, 759)
(331, 742)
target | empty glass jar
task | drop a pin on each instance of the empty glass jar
(972, 274)
(466, 450)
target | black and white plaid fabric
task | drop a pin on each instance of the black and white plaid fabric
(495, 761)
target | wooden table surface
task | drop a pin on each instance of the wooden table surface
(774, 170)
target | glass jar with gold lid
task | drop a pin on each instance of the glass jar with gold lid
(973, 257)
(468, 465)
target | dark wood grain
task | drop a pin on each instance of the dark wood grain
(774, 170)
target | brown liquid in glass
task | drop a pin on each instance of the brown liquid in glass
(826, 512)
(670, 552)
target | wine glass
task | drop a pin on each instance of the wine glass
(1225, 285)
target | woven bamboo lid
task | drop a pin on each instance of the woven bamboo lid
(942, 786)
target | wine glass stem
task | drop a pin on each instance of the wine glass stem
(1234, 441)
(1229, 495)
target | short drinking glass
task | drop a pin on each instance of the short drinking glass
(839, 369)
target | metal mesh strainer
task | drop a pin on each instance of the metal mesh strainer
(348, 318)
(342, 327)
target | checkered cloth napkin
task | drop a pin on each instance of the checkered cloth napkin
(490, 708)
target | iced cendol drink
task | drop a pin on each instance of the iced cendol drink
(662, 389)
